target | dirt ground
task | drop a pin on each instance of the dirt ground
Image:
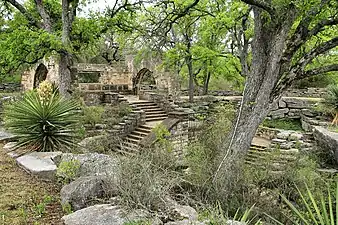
(24, 199)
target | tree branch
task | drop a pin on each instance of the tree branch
(302, 33)
(32, 21)
(263, 5)
(319, 70)
(44, 15)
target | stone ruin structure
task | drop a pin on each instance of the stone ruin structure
(123, 76)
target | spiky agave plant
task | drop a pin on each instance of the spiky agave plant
(43, 122)
(320, 212)
(332, 101)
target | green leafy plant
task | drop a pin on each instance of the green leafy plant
(162, 133)
(92, 114)
(285, 124)
(331, 101)
(68, 171)
(43, 124)
(312, 210)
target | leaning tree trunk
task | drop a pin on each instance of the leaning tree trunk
(267, 50)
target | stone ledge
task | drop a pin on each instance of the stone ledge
(40, 164)
(327, 140)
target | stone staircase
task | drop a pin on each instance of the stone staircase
(152, 111)
(153, 116)
(276, 161)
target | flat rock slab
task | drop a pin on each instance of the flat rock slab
(104, 214)
(6, 136)
(40, 164)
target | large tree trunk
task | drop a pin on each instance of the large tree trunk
(267, 49)
(65, 79)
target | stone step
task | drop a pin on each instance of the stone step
(156, 119)
(145, 108)
(257, 148)
(156, 115)
(155, 109)
(143, 130)
(159, 111)
(132, 140)
(140, 133)
(145, 127)
(143, 104)
(138, 137)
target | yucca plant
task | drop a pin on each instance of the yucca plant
(332, 101)
(320, 212)
(43, 121)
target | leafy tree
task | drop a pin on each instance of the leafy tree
(40, 28)
(289, 37)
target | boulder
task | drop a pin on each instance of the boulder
(87, 144)
(284, 134)
(279, 113)
(327, 140)
(93, 164)
(40, 164)
(296, 136)
(81, 192)
(179, 212)
(104, 214)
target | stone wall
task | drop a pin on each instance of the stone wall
(117, 88)
(306, 92)
(28, 76)
(10, 87)
(293, 107)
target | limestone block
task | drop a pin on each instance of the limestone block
(40, 164)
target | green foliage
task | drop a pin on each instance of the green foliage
(67, 208)
(316, 209)
(284, 124)
(68, 171)
(331, 99)
(92, 114)
(40, 209)
(162, 134)
(43, 125)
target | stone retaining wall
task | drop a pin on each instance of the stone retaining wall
(10, 87)
(306, 92)
(293, 107)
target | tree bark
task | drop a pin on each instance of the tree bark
(65, 58)
(267, 50)
(188, 60)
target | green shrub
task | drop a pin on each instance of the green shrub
(68, 171)
(284, 124)
(331, 100)
(92, 115)
(315, 209)
(46, 124)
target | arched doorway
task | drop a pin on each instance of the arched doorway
(144, 79)
(40, 75)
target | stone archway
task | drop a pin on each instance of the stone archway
(144, 77)
(40, 75)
